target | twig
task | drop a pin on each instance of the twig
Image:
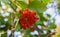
(16, 23)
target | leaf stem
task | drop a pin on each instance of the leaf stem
(16, 23)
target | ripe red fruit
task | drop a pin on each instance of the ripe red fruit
(28, 18)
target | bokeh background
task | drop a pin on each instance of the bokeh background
(48, 12)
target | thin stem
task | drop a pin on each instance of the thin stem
(16, 23)
(0, 34)
(24, 33)
(38, 33)
(12, 6)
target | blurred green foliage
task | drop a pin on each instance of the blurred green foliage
(36, 5)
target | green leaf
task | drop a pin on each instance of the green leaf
(44, 35)
(4, 35)
(36, 5)
(58, 35)
(58, 1)
(47, 1)
(18, 27)
(52, 26)
(26, 1)
(22, 4)
(17, 14)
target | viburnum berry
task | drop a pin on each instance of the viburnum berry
(28, 18)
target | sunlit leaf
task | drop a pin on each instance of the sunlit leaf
(23, 5)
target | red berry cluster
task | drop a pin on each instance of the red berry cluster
(28, 18)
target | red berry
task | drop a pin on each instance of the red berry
(28, 18)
